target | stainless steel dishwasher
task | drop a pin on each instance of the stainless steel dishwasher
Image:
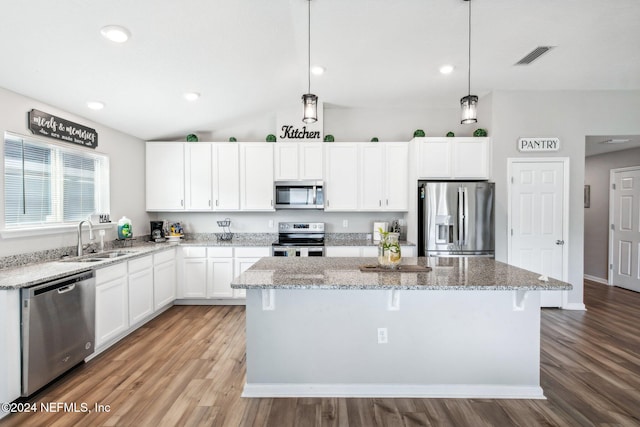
(58, 328)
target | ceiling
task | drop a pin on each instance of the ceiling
(248, 58)
(602, 144)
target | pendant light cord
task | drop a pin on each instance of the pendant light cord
(469, 74)
(309, 45)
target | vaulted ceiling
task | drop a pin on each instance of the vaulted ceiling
(249, 57)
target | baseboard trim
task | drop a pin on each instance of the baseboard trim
(449, 391)
(578, 306)
(196, 301)
(596, 279)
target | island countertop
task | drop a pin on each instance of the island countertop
(464, 273)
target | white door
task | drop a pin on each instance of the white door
(625, 236)
(341, 177)
(371, 177)
(226, 176)
(165, 176)
(396, 176)
(537, 221)
(256, 176)
(219, 277)
(197, 173)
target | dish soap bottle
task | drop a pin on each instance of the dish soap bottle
(124, 228)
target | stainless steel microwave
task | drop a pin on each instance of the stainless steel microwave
(299, 195)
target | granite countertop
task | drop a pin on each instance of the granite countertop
(464, 273)
(358, 242)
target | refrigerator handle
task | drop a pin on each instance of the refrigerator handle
(464, 215)
(460, 216)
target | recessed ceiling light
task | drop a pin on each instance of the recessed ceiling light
(615, 141)
(446, 69)
(317, 70)
(115, 33)
(95, 105)
(191, 96)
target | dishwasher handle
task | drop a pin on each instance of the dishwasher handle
(66, 283)
(65, 289)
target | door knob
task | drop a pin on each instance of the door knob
(559, 242)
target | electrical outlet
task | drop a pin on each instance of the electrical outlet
(383, 336)
(270, 223)
(345, 223)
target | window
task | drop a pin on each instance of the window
(47, 184)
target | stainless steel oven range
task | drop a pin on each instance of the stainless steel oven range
(299, 239)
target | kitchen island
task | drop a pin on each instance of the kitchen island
(469, 328)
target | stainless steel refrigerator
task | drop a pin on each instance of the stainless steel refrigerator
(456, 218)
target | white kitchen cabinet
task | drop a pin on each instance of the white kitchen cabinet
(256, 177)
(112, 299)
(164, 278)
(140, 284)
(220, 275)
(10, 359)
(454, 158)
(198, 176)
(298, 161)
(384, 179)
(243, 259)
(193, 283)
(226, 176)
(341, 177)
(471, 158)
(165, 176)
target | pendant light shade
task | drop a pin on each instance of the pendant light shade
(469, 103)
(469, 106)
(310, 104)
(309, 100)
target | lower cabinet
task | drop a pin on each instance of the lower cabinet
(207, 272)
(129, 293)
(164, 278)
(10, 316)
(112, 303)
(140, 286)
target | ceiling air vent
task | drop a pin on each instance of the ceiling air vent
(534, 54)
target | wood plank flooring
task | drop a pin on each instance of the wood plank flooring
(187, 368)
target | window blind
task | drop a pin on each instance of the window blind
(46, 184)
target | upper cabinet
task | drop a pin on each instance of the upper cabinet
(367, 176)
(256, 176)
(341, 177)
(298, 161)
(454, 158)
(165, 167)
(200, 176)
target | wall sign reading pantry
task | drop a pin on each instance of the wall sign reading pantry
(45, 124)
(538, 144)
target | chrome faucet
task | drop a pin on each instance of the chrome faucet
(80, 234)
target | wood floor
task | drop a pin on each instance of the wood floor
(187, 368)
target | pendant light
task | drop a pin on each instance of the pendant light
(469, 103)
(309, 100)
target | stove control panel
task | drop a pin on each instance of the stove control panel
(305, 227)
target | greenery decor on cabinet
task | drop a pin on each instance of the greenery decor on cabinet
(450, 134)
(271, 138)
(329, 138)
(233, 139)
(374, 139)
(192, 137)
(480, 132)
(418, 133)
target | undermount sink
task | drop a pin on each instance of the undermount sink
(99, 256)
(111, 254)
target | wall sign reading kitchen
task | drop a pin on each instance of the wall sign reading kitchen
(538, 144)
(45, 124)
(292, 129)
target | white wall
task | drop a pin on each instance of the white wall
(596, 217)
(126, 156)
(570, 116)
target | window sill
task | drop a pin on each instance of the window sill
(56, 229)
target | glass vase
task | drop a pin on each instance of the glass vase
(389, 250)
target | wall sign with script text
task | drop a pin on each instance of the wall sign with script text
(45, 124)
(538, 144)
